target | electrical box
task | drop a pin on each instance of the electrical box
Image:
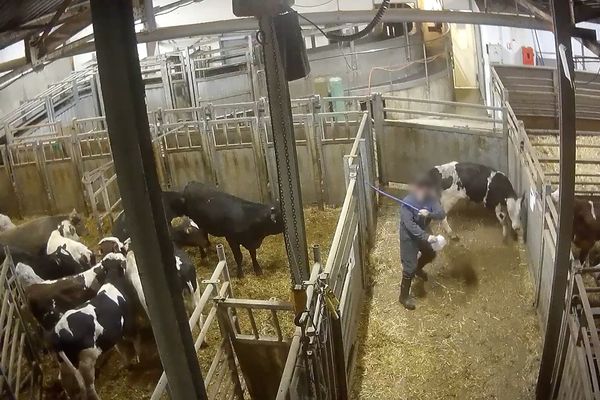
(527, 53)
(495, 52)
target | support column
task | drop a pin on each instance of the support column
(551, 357)
(127, 121)
(285, 153)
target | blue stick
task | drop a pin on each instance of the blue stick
(394, 198)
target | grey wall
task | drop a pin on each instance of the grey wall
(407, 150)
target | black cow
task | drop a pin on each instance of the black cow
(480, 184)
(241, 222)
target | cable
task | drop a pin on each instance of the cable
(593, 79)
(349, 38)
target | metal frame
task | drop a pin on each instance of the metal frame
(552, 358)
(131, 144)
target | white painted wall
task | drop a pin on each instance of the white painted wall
(32, 84)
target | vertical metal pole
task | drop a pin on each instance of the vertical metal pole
(285, 153)
(426, 72)
(563, 24)
(131, 146)
(150, 25)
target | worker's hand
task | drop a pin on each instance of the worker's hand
(432, 239)
(424, 213)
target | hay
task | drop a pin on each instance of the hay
(474, 334)
(117, 382)
(581, 152)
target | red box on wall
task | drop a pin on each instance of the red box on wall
(527, 55)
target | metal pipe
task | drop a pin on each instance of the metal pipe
(127, 121)
(553, 352)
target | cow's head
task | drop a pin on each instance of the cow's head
(186, 232)
(275, 219)
(78, 222)
(113, 267)
(110, 245)
(514, 206)
(177, 205)
(68, 230)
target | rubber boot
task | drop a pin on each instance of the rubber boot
(405, 298)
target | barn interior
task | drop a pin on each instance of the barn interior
(323, 112)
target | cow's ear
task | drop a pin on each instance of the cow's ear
(188, 230)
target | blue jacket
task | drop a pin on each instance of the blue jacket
(413, 226)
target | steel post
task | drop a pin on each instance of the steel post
(127, 121)
(563, 26)
(284, 141)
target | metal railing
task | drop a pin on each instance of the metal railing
(323, 362)
(218, 289)
(579, 345)
(21, 375)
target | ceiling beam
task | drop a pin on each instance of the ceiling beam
(322, 18)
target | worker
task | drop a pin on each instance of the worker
(421, 206)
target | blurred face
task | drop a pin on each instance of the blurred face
(422, 192)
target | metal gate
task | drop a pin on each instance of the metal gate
(20, 371)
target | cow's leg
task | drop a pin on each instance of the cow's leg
(255, 264)
(125, 351)
(448, 202)
(71, 380)
(87, 368)
(237, 255)
(137, 346)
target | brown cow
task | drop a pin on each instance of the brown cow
(586, 226)
(32, 236)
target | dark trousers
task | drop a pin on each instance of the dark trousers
(411, 262)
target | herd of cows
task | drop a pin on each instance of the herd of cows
(89, 301)
(85, 308)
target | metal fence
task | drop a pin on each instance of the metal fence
(20, 369)
(415, 134)
(221, 379)
(579, 347)
(324, 347)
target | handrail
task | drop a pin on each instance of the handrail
(442, 102)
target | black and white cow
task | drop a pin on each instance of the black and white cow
(6, 223)
(184, 232)
(85, 332)
(49, 299)
(65, 237)
(479, 184)
(186, 274)
(32, 236)
(47, 266)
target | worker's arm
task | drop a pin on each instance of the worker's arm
(437, 211)
(407, 218)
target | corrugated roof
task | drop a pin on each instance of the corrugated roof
(17, 15)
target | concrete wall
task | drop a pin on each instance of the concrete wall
(32, 84)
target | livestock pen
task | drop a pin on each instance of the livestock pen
(328, 345)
